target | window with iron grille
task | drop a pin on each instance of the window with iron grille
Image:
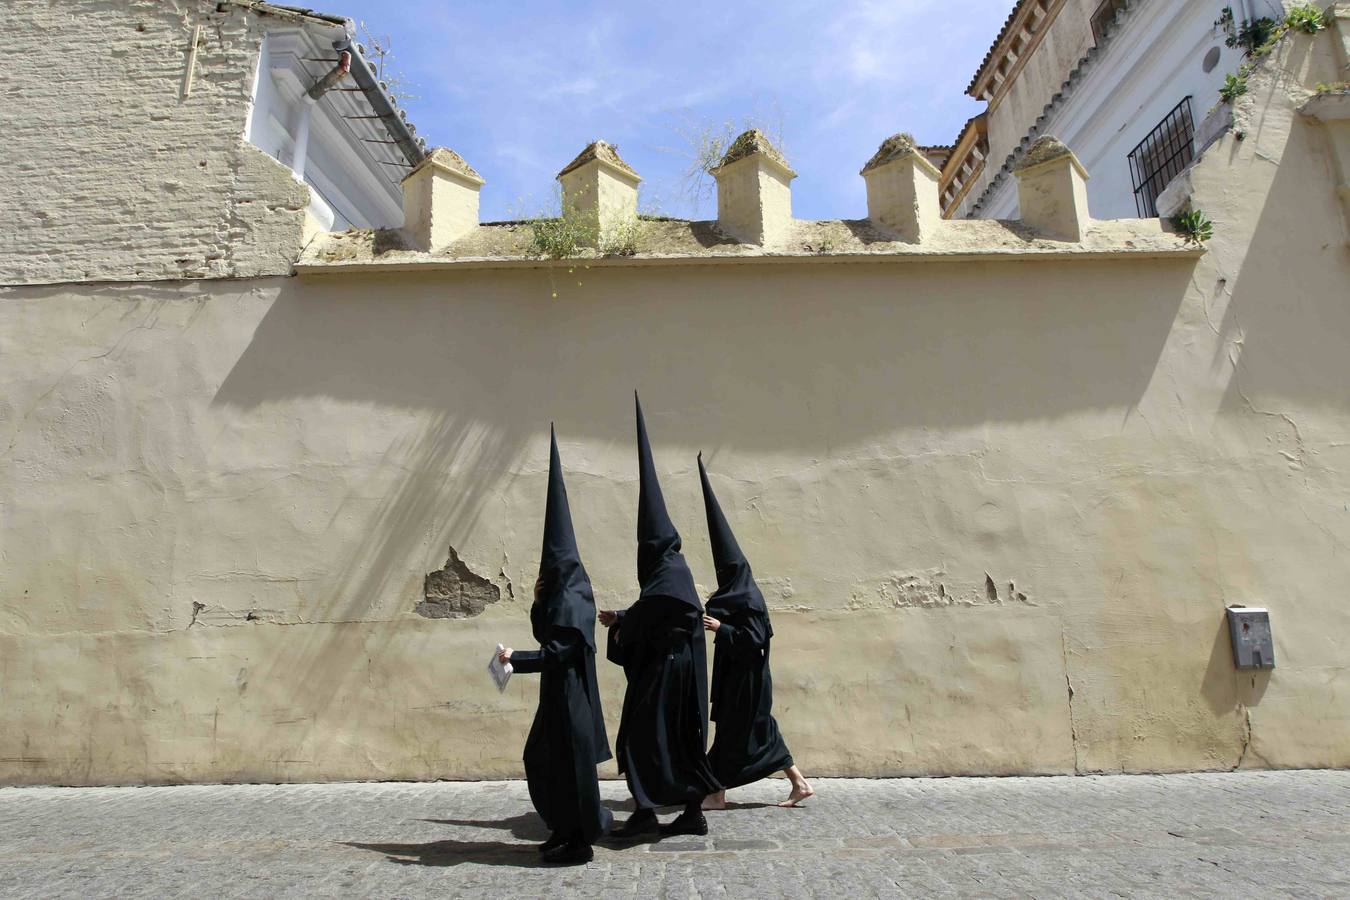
(1158, 159)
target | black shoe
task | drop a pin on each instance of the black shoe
(555, 840)
(691, 821)
(642, 822)
(572, 853)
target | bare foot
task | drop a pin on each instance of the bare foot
(799, 793)
(715, 801)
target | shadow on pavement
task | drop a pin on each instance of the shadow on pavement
(454, 853)
(526, 826)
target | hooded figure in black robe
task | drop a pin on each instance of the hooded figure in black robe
(568, 738)
(748, 746)
(662, 742)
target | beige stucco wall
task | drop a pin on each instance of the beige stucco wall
(997, 507)
(111, 172)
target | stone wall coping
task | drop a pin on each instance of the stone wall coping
(684, 243)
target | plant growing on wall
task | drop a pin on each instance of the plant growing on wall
(1194, 226)
(621, 238)
(1305, 18)
(1234, 85)
(1225, 21)
(705, 143)
(1254, 36)
(567, 234)
(559, 237)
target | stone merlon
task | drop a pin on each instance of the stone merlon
(902, 189)
(1047, 149)
(600, 189)
(754, 217)
(754, 197)
(440, 200)
(1052, 190)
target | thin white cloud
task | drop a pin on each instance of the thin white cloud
(519, 88)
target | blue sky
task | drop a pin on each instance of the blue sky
(519, 88)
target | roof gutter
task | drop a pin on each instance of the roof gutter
(409, 145)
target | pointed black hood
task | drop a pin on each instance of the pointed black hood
(736, 588)
(564, 599)
(662, 570)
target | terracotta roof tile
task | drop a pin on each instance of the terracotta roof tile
(1003, 32)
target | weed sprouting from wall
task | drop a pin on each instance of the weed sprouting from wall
(1234, 85)
(621, 238)
(1305, 18)
(560, 233)
(559, 237)
(1253, 36)
(556, 233)
(703, 143)
(1257, 37)
(1194, 226)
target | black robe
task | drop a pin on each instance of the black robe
(747, 746)
(663, 735)
(567, 740)
(662, 738)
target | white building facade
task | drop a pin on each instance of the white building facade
(1132, 107)
(347, 140)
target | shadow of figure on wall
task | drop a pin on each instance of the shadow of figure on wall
(454, 376)
(379, 578)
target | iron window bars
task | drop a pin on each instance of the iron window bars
(1160, 156)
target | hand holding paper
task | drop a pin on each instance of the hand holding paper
(500, 671)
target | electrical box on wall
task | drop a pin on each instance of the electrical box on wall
(1253, 647)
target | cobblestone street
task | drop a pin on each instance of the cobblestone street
(1264, 834)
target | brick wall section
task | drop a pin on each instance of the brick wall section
(109, 173)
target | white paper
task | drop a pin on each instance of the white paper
(500, 673)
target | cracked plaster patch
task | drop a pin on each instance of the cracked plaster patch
(455, 592)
